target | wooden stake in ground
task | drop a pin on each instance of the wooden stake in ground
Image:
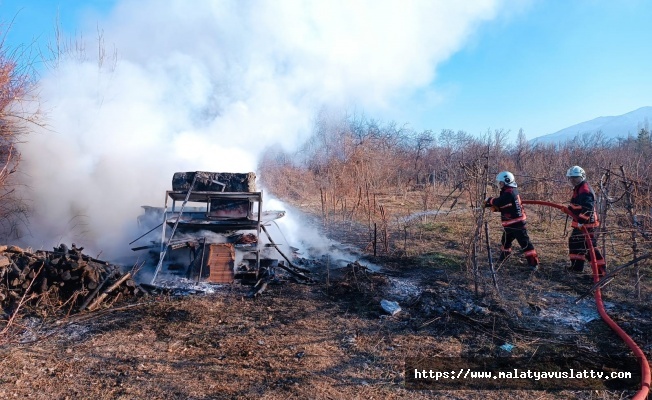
(491, 261)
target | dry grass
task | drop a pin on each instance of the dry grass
(330, 340)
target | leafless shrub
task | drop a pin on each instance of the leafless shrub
(18, 112)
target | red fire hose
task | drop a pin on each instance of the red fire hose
(645, 367)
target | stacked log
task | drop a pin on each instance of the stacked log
(64, 280)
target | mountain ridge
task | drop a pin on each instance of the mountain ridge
(611, 127)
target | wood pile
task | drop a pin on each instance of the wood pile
(62, 280)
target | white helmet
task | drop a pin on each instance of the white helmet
(576, 171)
(507, 178)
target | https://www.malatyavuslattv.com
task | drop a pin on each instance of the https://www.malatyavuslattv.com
(450, 374)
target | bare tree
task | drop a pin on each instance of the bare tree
(18, 111)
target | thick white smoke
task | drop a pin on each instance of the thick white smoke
(207, 85)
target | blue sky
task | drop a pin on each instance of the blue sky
(536, 65)
(210, 84)
(35, 20)
(555, 64)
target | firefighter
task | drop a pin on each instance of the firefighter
(582, 205)
(513, 218)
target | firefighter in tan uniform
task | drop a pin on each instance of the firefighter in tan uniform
(582, 205)
(513, 218)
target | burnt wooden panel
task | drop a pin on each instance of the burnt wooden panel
(220, 263)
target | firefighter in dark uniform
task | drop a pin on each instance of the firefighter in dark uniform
(513, 218)
(582, 205)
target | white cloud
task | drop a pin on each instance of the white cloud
(207, 85)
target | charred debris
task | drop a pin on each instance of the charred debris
(213, 230)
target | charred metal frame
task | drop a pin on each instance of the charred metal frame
(214, 225)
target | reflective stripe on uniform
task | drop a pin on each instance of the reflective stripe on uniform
(513, 221)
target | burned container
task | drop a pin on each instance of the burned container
(211, 227)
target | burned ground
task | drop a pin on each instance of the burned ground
(328, 340)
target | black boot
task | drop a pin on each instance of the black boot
(576, 266)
